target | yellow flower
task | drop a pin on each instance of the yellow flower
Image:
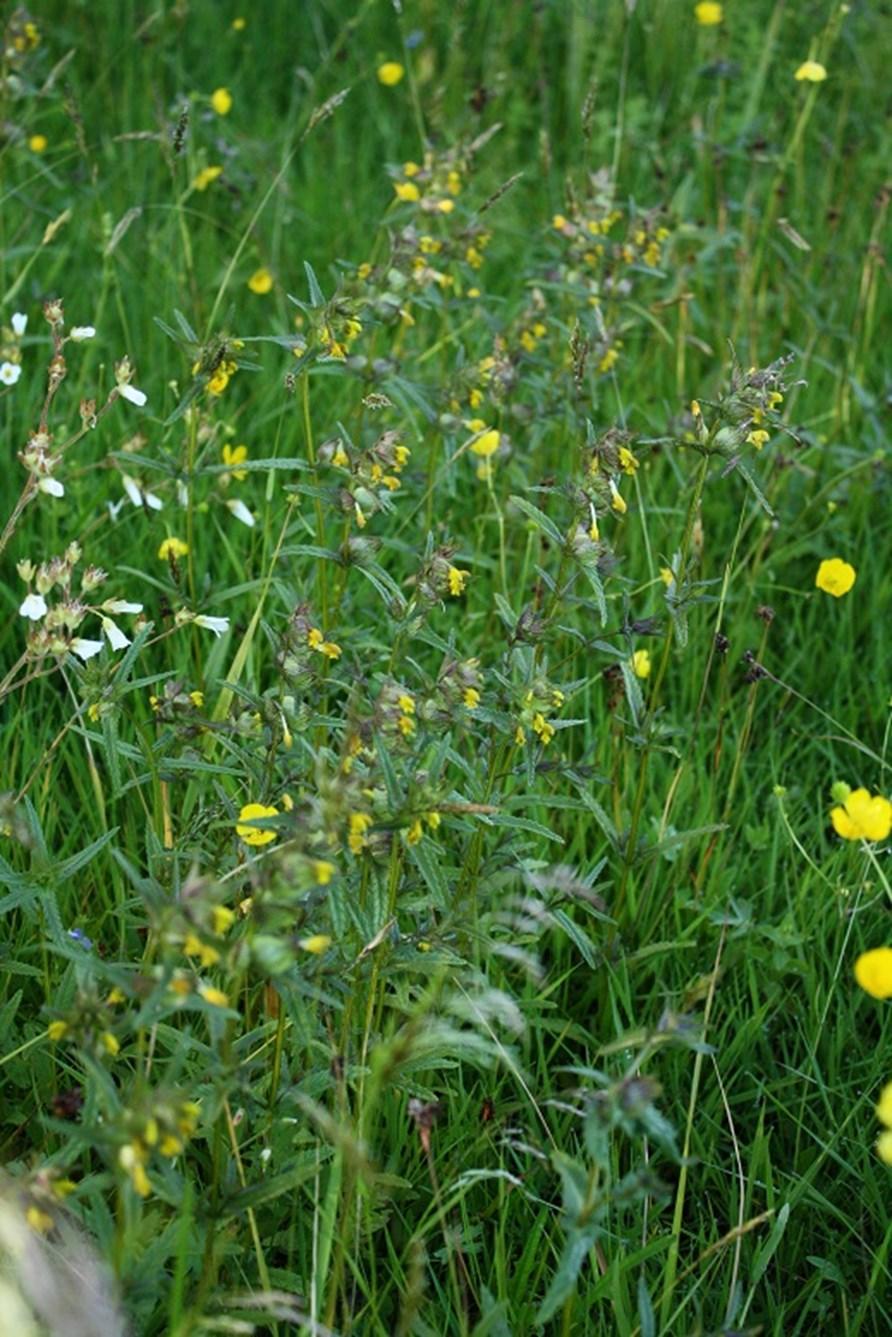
(861, 817)
(57, 1030)
(707, 13)
(445, 206)
(544, 730)
(666, 575)
(193, 946)
(696, 410)
(641, 663)
(219, 381)
(457, 581)
(197, 699)
(559, 222)
(205, 177)
(835, 577)
(407, 190)
(253, 835)
(359, 823)
(471, 698)
(261, 281)
(884, 1147)
(415, 832)
(38, 143)
(616, 500)
(221, 101)
(172, 548)
(627, 461)
(873, 971)
(323, 871)
(411, 169)
(487, 443)
(317, 943)
(239, 24)
(811, 71)
(884, 1108)
(234, 455)
(38, 1219)
(390, 73)
(758, 438)
(216, 997)
(131, 1158)
(110, 1043)
(170, 1145)
(222, 918)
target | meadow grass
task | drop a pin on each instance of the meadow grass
(526, 1004)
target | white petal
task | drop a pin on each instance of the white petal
(182, 493)
(86, 649)
(121, 606)
(33, 606)
(215, 624)
(131, 393)
(80, 332)
(241, 512)
(133, 492)
(9, 373)
(116, 638)
(19, 324)
(113, 508)
(154, 503)
(51, 486)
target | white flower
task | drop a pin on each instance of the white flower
(33, 606)
(9, 373)
(52, 486)
(116, 638)
(121, 606)
(182, 493)
(241, 512)
(154, 503)
(19, 324)
(130, 487)
(79, 332)
(113, 508)
(134, 396)
(215, 624)
(86, 649)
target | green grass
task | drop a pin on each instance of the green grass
(589, 1056)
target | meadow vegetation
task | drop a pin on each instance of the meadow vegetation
(445, 686)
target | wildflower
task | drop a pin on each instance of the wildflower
(487, 442)
(116, 638)
(171, 548)
(219, 381)
(415, 832)
(471, 698)
(132, 395)
(38, 1219)
(835, 577)
(138, 496)
(9, 373)
(758, 438)
(543, 729)
(197, 698)
(33, 606)
(85, 649)
(358, 824)
(812, 71)
(57, 1030)
(261, 281)
(641, 663)
(221, 101)
(19, 323)
(239, 24)
(884, 1114)
(233, 456)
(390, 73)
(38, 143)
(110, 1043)
(627, 461)
(241, 512)
(206, 177)
(218, 625)
(252, 812)
(873, 971)
(407, 190)
(317, 943)
(131, 1158)
(708, 14)
(445, 206)
(457, 581)
(119, 606)
(322, 871)
(79, 333)
(216, 997)
(51, 487)
(559, 222)
(208, 955)
(616, 500)
(862, 817)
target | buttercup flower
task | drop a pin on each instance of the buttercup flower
(708, 14)
(261, 281)
(884, 1114)
(641, 663)
(221, 101)
(38, 143)
(873, 971)
(253, 835)
(835, 577)
(390, 73)
(235, 455)
(812, 71)
(172, 548)
(862, 817)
